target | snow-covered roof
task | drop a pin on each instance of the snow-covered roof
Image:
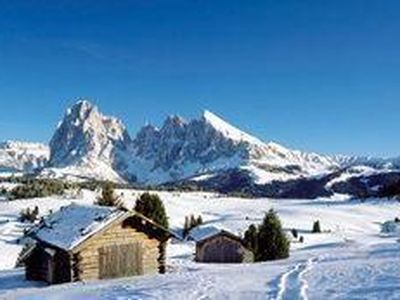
(202, 233)
(74, 223)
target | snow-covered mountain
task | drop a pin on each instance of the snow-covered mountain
(203, 147)
(207, 152)
(87, 144)
(22, 156)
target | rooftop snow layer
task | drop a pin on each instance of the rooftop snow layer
(201, 233)
(74, 223)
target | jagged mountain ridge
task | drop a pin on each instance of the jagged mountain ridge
(207, 151)
(182, 149)
(88, 144)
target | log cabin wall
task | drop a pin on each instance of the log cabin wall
(116, 252)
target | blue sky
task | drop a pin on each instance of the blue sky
(314, 75)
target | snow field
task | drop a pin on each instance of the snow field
(349, 260)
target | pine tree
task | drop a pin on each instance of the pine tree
(36, 210)
(316, 227)
(151, 206)
(29, 215)
(193, 221)
(272, 241)
(251, 238)
(186, 227)
(108, 197)
(199, 220)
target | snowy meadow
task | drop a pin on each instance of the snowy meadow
(349, 259)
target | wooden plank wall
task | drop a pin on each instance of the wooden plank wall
(87, 264)
(222, 249)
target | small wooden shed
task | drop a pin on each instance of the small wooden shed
(223, 247)
(81, 242)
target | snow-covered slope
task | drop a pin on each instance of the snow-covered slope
(228, 130)
(350, 259)
(22, 156)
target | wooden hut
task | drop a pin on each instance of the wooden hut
(81, 242)
(222, 247)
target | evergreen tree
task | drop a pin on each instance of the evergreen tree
(29, 215)
(36, 211)
(193, 221)
(32, 188)
(316, 227)
(199, 220)
(108, 197)
(151, 206)
(190, 223)
(272, 241)
(186, 227)
(251, 238)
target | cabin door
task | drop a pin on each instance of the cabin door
(120, 260)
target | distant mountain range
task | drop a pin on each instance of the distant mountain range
(207, 153)
(22, 156)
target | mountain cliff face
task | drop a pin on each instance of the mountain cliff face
(201, 147)
(22, 156)
(87, 144)
(182, 149)
(207, 152)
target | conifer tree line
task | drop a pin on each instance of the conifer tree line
(32, 187)
(38, 188)
(29, 215)
(190, 223)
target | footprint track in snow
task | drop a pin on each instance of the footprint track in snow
(292, 284)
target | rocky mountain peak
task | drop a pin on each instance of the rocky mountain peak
(86, 135)
(174, 121)
(207, 151)
(81, 109)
